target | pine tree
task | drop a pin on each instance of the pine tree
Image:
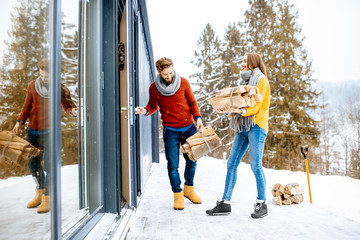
(273, 31)
(28, 42)
(69, 62)
(207, 57)
(234, 48)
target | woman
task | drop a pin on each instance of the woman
(251, 127)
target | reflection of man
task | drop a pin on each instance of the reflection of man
(36, 108)
(178, 108)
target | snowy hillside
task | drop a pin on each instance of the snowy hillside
(334, 213)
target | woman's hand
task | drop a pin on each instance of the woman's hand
(231, 109)
(228, 109)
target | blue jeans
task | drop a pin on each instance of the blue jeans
(172, 141)
(255, 140)
(40, 173)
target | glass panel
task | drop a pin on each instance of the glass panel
(144, 122)
(90, 105)
(72, 209)
(24, 119)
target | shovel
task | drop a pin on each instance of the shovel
(304, 151)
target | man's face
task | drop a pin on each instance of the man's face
(167, 74)
(44, 75)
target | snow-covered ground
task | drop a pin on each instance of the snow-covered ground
(334, 213)
(18, 222)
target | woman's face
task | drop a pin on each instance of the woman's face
(244, 64)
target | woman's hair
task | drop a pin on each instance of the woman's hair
(255, 60)
(44, 64)
(163, 63)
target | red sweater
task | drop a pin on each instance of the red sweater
(36, 108)
(178, 110)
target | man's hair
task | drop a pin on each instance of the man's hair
(163, 63)
(44, 64)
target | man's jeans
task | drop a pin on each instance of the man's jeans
(39, 173)
(172, 141)
(255, 140)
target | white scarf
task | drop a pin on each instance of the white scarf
(41, 88)
(170, 89)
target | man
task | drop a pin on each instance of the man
(36, 109)
(178, 108)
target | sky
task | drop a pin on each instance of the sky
(332, 215)
(331, 30)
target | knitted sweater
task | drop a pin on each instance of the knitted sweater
(36, 108)
(261, 109)
(178, 110)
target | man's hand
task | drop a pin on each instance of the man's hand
(199, 124)
(16, 128)
(140, 110)
(74, 112)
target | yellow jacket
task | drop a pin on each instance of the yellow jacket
(261, 109)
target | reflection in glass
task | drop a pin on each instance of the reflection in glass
(24, 111)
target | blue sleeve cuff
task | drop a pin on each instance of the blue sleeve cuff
(196, 118)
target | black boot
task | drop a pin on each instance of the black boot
(260, 210)
(221, 208)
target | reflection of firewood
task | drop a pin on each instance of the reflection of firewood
(16, 149)
(291, 193)
(197, 146)
(238, 97)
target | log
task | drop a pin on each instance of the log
(14, 145)
(198, 141)
(207, 131)
(279, 187)
(201, 150)
(242, 97)
(7, 135)
(289, 186)
(298, 198)
(195, 146)
(278, 200)
(10, 154)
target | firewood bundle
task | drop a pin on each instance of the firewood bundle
(242, 96)
(201, 143)
(16, 149)
(288, 194)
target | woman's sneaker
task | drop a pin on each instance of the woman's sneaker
(260, 210)
(221, 208)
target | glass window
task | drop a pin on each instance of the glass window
(24, 120)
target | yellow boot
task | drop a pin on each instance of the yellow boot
(37, 199)
(191, 195)
(178, 201)
(45, 204)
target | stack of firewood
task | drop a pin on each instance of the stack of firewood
(242, 96)
(16, 149)
(201, 143)
(288, 194)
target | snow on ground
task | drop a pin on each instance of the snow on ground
(334, 214)
(18, 222)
